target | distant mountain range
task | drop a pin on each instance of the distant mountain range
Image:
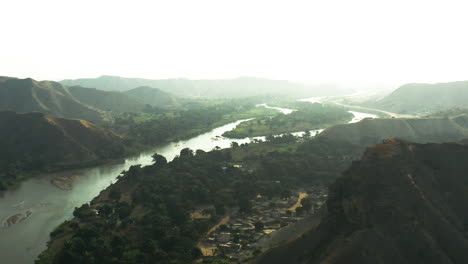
(239, 87)
(402, 203)
(419, 98)
(37, 141)
(28, 95)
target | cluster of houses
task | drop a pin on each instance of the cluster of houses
(237, 237)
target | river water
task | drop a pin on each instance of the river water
(358, 116)
(40, 206)
(285, 111)
(49, 206)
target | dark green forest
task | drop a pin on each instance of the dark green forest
(144, 217)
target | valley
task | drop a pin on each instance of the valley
(76, 187)
(73, 186)
(233, 132)
(276, 159)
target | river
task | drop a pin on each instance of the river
(285, 111)
(49, 206)
(41, 206)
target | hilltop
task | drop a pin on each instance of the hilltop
(152, 96)
(421, 98)
(402, 203)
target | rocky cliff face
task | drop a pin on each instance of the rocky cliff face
(402, 203)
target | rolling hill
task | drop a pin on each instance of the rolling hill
(402, 203)
(419, 98)
(152, 96)
(239, 87)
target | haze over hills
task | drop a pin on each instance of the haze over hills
(222, 132)
(105, 100)
(402, 203)
(28, 95)
(37, 141)
(420, 98)
(239, 87)
(421, 130)
(152, 96)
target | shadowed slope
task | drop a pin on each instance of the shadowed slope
(402, 203)
(36, 141)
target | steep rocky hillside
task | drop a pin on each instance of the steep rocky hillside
(28, 95)
(402, 203)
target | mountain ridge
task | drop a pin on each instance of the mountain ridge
(237, 87)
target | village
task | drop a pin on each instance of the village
(239, 237)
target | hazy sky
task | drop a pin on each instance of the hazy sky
(311, 41)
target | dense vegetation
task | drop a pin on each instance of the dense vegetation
(307, 117)
(156, 126)
(144, 217)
